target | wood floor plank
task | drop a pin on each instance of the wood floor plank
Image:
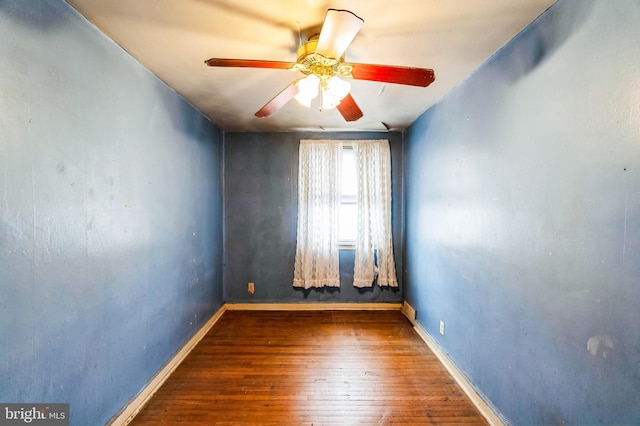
(310, 367)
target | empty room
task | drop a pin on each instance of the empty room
(320, 212)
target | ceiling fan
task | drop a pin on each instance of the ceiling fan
(321, 60)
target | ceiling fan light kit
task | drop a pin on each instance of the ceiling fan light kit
(321, 60)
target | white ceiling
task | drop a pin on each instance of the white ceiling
(173, 38)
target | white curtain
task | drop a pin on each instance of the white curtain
(374, 245)
(317, 251)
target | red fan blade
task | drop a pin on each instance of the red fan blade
(350, 109)
(278, 101)
(338, 31)
(392, 74)
(248, 63)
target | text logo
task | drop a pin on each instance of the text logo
(34, 414)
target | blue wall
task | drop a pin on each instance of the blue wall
(523, 219)
(261, 202)
(110, 215)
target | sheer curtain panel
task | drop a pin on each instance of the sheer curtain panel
(317, 250)
(374, 245)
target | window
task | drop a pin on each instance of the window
(348, 200)
(344, 199)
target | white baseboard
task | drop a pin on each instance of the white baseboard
(486, 411)
(313, 306)
(129, 412)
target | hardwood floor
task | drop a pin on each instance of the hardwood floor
(314, 368)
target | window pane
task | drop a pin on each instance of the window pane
(349, 205)
(349, 187)
(348, 222)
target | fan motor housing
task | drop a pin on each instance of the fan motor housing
(310, 62)
(307, 48)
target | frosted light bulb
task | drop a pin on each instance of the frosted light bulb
(307, 90)
(335, 91)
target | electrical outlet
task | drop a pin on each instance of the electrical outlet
(442, 327)
(251, 288)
